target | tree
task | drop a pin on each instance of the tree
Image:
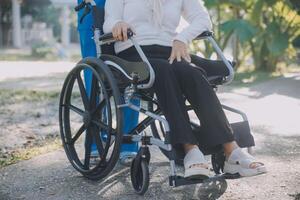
(43, 11)
(40, 10)
(276, 28)
(5, 21)
(264, 29)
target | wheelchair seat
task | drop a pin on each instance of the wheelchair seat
(215, 70)
(129, 67)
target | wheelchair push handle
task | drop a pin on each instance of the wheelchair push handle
(91, 6)
(108, 37)
(204, 35)
(80, 6)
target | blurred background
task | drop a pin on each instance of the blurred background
(258, 34)
(38, 29)
(39, 45)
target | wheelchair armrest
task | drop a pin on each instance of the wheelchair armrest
(204, 34)
(209, 36)
(108, 37)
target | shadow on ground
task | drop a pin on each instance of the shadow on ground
(159, 188)
(280, 146)
(58, 180)
(286, 86)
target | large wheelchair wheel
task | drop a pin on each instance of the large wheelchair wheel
(90, 120)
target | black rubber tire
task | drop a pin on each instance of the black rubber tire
(140, 179)
(103, 76)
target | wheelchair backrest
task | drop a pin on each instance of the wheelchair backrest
(95, 19)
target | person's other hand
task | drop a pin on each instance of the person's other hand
(179, 51)
(119, 31)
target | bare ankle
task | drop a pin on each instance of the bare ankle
(229, 147)
(188, 147)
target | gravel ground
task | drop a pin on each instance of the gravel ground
(273, 108)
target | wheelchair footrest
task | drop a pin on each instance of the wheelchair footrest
(230, 176)
(180, 181)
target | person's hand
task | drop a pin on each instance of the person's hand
(119, 31)
(179, 51)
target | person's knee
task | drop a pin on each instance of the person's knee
(181, 66)
(185, 70)
(160, 66)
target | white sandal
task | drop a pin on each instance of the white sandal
(194, 163)
(240, 162)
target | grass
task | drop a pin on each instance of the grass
(28, 57)
(29, 152)
(25, 57)
(17, 96)
(8, 97)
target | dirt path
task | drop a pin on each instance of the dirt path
(273, 108)
(29, 102)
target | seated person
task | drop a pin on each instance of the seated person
(154, 23)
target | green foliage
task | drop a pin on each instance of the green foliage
(267, 30)
(277, 42)
(242, 28)
(296, 42)
(43, 11)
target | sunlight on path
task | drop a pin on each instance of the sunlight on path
(20, 69)
(274, 105)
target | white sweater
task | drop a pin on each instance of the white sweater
(139, 15)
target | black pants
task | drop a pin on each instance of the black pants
(172, 81)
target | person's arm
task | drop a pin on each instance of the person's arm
(198, 18)
(113, 21)
(113, 14)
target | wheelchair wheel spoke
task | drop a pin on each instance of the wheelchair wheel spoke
(78, 134)
(88, 147)
(99, 144)
(99, 107)
(101, 125)
(104, 127)
(94, 92)
(83, 92)
(77, 110)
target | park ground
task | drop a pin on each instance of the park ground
(33, 165)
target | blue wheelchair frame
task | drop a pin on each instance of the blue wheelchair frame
(88, 49)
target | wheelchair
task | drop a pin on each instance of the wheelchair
(96, 117)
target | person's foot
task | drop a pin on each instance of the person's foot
(195, 165)
(242, 163)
